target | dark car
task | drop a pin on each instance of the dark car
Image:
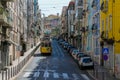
(70, 48)
(81, 55)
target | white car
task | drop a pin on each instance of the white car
(86, 62)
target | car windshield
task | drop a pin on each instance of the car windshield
(75, 51)
(81, 55)
(87, 60)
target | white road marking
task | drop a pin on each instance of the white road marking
(75, 76)
(37, 70)
(27, 74)
(65, 76)
(85, 77)
(36, 74)
(55, 75)
(46, 74)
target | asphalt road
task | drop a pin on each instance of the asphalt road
(59, 66)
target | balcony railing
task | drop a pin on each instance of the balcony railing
(104, 6)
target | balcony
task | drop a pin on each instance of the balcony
(80, 2)
(94, 26)
(84, 13)
(105, 38)
(94, 4)
(104, 6)
(76, 33)
(4, 19)
(80, 14)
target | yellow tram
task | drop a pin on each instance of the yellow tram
(46, 47)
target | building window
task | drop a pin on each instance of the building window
(102, 25)
(107, 27)
(110, 20)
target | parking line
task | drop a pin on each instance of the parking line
(55, 75)
(27, 74)
(85, 77)
(46, 74)
(36, 74)
(75, 76)
(65, 76)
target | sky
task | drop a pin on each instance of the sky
(52, 6)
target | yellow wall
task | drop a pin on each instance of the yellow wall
(105, 16)
(116, 24)
(112, 22)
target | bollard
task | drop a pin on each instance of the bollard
(15, 71)
(20, 65)
(24, 61)
(2, 75)
(97, 73)
(11, 72)
(5, 74)
(8, 74)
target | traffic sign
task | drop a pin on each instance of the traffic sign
(105, 57)
(105, 51)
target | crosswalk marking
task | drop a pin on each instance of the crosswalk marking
(55, 75)
(27, 74)
(85, 77)
(36, 74)
(46, 74)
(65, 76)
(75, 76)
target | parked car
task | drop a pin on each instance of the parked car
(78, 56)
(70, 49)
(75, 52)
(86, 62)
(66, 45)
(60, 41)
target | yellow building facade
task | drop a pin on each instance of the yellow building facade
(110, 33)
(116, 33)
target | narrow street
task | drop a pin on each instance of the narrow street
(59, 66)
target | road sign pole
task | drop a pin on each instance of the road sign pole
(102, 61)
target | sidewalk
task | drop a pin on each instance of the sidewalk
(18, 64)
(100, 73)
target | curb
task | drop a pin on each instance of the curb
(92, 75)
